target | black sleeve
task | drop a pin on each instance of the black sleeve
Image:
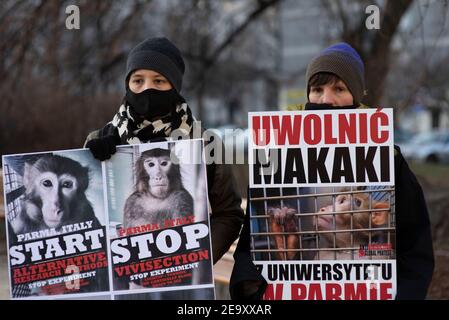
(415, 261)
(246, 281)
(227, 215)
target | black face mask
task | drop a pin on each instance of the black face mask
(325, 106)
(152, 103)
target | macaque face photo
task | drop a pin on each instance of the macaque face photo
(158, 169)
(159, 193)
(56, 193)
(358, 216)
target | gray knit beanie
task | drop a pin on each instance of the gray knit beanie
(342, 60)
(160, 55)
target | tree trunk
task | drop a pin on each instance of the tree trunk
(376, 50)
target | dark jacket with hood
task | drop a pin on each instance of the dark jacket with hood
(227, 216)
(414, 251)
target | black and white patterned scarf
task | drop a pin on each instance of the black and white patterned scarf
(134, 129)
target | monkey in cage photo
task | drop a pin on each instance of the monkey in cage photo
(324, 223)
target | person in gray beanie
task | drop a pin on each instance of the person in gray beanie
(152, 107)
(338, 62)
(160, 55)
(151, 110)
(336, 80)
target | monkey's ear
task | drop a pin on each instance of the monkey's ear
(142, 186)
(380, 217)
(29, 173)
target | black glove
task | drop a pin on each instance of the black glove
(102, 148)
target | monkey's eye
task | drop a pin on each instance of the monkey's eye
(341, 199)
(67, 184)
(164, 163)
(47, 183)
(151, 164)
(357, 202)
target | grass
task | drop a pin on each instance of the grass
(435, 174)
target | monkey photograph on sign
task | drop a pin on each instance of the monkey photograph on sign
(51, 197)
(159, 193)
(155, 192)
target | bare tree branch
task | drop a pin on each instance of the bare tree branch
(112, 61)
(263, 6)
